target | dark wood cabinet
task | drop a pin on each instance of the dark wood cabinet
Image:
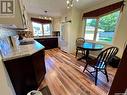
(26, 73)
(119, 85)
(49, 43)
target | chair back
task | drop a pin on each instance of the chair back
(105, 57)
(80, 41)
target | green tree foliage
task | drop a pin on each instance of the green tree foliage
(107, 22)
(91, 22)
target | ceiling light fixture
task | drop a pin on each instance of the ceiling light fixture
(70, 3)
(45, 17)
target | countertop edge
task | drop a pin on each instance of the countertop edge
(46, 37)
(24, 55)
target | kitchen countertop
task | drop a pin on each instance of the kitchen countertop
(41, 37)
(22, 51)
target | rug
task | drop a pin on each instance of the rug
(45, 91)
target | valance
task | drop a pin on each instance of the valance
(44, 21)
(104, 10)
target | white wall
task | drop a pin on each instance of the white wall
(75, 28)
(121, 32)
(6, 87)
(29, 21)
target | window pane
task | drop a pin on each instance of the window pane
(106, 27)
(47, 29)
(90, 29)
(37, 28)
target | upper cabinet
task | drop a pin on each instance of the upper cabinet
(18, 17)
(56, 24)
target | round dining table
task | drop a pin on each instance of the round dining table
(89, 46)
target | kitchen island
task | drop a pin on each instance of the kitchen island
(25, 65)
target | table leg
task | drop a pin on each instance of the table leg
(87, 54)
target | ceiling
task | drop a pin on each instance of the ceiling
(55, 7)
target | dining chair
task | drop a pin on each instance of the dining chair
(100, 63)
(79, 41)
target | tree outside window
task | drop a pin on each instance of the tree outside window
(105, 27)
(90, 29)
(37, 29)
(40, 29)
(47, 29)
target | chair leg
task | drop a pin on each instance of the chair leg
(85, 67)
(82, 52)
(96, 76)
(106, 75)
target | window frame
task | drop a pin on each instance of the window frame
(50, 24)
(96, 28)
(33, 28)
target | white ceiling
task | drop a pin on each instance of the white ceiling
(55, 7)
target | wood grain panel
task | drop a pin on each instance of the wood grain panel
(65, 77)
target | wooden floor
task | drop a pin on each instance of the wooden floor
(65, 77)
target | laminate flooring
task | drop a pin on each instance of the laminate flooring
(64, 76)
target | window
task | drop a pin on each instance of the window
(101, 29)
(41, 29)
(37, 29)
(90, 28)
(107, 26)
(47, 29)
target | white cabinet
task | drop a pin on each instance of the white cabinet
(56, 24)
(19, 18)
